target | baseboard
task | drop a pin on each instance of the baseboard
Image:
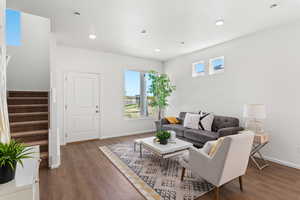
(127, 134)
(281, 162)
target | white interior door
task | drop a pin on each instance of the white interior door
(82, 107)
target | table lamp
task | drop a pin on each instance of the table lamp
(254, 114)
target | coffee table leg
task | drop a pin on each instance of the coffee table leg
(141, 154)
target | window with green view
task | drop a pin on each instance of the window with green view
(137, 97)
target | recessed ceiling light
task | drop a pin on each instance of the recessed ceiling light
(274, 5)
(77, 13)
(220, 22)
(144, 31)
(157, 50)
(92, 36)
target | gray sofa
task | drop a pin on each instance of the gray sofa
(222, 126)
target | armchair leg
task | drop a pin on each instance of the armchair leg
(217, 193)
(182, 173)
(241, 183)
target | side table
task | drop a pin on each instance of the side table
(260, 141)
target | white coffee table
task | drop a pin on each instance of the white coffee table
(175, 148)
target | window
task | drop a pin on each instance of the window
(13, 27)
(216, 65)
(137, 97)
(198, 69)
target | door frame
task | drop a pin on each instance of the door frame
(65, 98)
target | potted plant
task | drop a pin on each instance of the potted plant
(11, 153)
(161, 88)
(163, 137)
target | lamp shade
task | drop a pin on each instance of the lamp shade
(255, 111)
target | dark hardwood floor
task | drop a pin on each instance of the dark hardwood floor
(86, 174)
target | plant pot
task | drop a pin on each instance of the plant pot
(7, 173)
(164, 142)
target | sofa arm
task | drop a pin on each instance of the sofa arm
(164, 121)
(229, 131)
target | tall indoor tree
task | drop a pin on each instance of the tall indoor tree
(161, 88)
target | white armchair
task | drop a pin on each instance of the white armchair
(227, 163)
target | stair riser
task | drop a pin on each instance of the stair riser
(27, 94)
(28, 118)
(26, 101)
(31, 138)
(27, 109)
(29, 127)
(44, 148)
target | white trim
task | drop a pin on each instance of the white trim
(127, 134)
(281, 162)
(65, 75)
(55, 166)
(140, 118)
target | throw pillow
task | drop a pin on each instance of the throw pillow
(172, 120)
(206, 121)
(215, 146)
(191, 121)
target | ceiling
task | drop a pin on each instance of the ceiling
(118, 23)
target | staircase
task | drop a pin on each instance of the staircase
(28, 118)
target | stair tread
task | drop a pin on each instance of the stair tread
(28, 122)
(28, 113)
(28, 133)
(27, 97)
(38, 142)
(28, 91)
(29, 105)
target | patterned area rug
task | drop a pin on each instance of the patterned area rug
(154, 177)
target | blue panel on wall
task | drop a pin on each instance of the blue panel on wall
(199, 67)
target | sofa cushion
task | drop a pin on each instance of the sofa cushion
(229, 131)
(181, 117)
(224, 122)
(179, 129)
(200, 135)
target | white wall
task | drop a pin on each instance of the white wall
(261, 68)
(111, 68)
(28, 68)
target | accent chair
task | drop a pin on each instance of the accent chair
(229, 161)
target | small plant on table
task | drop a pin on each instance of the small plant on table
(163, 136)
